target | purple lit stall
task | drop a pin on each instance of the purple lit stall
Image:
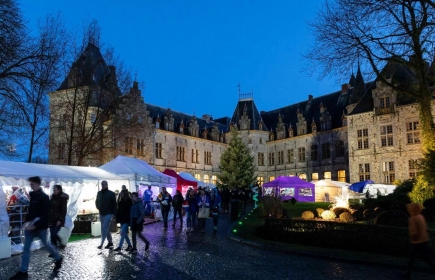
(288, 187)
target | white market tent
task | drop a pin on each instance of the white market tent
(326, 190)
(140, 173)
(190, 177)
(80, 183)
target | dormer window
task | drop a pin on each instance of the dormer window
(314, 127)
(384, 102)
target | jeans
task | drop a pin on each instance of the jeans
(124, 235)
(165, 213)
(135, 233)
(190, 219)
(29, 236)
(105, 228)
(147, 207)
(53, 235)
(178, 210)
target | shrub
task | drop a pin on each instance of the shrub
(338, 210)
(422, 191)
(429, 209)
(328, 215)
(399, 198)
(346, 217)
(307, 215)
(392, 218)
(377, 211)
(270, 206)
(357, 215)
(293, 201)
(319, 212)
(369, 213)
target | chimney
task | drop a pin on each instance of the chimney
(344, 88)
(310, 97)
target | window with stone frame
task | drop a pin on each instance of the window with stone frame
(159, 150)
(339, 148)
(128, 145)
(290, 156)
(413, 168)
(387, 138)
(363, 138)
(206, 179)
(61, 151)
(214, 179)
(271, 136)
(271, 158)
(314, 177)
(341, 175)
(327, 175)
(195, 156)
(260, 159)
(207, 157)
(271, 178)
(413, 132)
(140, 146)
(260, 180)
(198, 176)
(384, 102)
(181, 153)
(301, 154)
(314, 152)
(388, 172)
(326, 150)
(261, 140)
(281, 157)
(364, 171)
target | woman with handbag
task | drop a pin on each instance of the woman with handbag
(58, 206)
(203, 202)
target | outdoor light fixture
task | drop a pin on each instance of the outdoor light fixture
(234, 230)
(240, 223)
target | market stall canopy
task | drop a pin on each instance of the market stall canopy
(16, 173)
(190, 177)
(133, 168)
(326, 190)
(359, 186)
(182, 184)
(289, 187)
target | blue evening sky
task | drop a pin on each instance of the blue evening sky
(193, 54)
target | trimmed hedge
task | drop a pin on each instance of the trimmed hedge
(348, 236)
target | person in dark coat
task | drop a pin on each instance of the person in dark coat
(123, 218)
(36, 227)
(177, 204)
(58, 203)
(137, 214)
(191, 210)
(165, 200)
(106, 205)
(225, 197)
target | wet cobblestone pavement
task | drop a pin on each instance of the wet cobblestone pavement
(176, 254)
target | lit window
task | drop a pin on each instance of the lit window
(341, 175)
(214, 179)
(327, 175)
(271, 178)
(198, 177)
(206, 179)
(315, 177)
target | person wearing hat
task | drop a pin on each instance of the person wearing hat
(419, 238)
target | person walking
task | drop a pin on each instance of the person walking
(36, 227)
(215, 206)
(226, 197)
(191, 210)
(165, 200)
(58, 206)
(106, 205)
(136, 222)
(203, 202)
(147, 198)
(419, 238)
(177, 204)
(123, 218)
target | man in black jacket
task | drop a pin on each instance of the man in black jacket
(36, 226)
(106, 205)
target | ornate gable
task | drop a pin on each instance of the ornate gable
(244, 121)
(280, 128)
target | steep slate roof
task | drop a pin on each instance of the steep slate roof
(92, 69)
(251, 112)
(160, 112)
(335, 103)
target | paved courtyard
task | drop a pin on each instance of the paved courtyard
(176, 254)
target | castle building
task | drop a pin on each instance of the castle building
(360, 132)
